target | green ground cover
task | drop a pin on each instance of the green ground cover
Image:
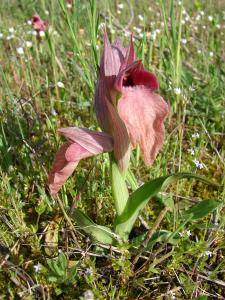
(49, 82)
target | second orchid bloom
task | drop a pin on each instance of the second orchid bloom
(128, 109)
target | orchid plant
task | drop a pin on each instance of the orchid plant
(130, 113)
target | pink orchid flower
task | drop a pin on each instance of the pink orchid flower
(126, 104)
(128, 110)
(38, 24)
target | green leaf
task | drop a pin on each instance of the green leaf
(99, 233)
(62, 261)
(40, 209)
(158, 236)
(168, 202)
(201, 298)
(201, 209)
(141, 196)
(130, 178)
(55, 267)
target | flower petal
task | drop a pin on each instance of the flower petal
(111, 58)
(120, 138)
(135, 74)
(61, 169)
(119, 51)
(143, 113)
(86, 143)
(130, 56)
(111, 61)
(93, 141)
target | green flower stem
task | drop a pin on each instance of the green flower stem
(119, 188)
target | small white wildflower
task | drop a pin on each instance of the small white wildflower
(188, 233)
(1, 35)
(19, 50)
(157, 30)
(195, 28)
(173, 297)
(120, 5)
(206, 253)
(209, 253)
(60, 85)
(141, 18)
(197, 17)
(195, 161)
(11, 30)
(141, 35)
(118, 11)
(139, 30)
(185, 233)
(184, 41)
(210, 18)
(150, 8)
(46, 12)
(184, 12)
(153, 36)
(179, 2)
(34, 32)
(29, 22)
(37, 268)
(28, 44)
(187, 18)
(10, 37)
(191, 89)
(177, 91)
(127, 33)
(198, 164)
(182, 22)
(191, 151)
(88, 295)
(88, 271)
(153, 23)
(68, 5)
(202, 12)
(41, 33)
(101, 25)
(195, 135)
(218, 26)
(54, 113)
(211, 54)
(199, 51)
(204, 27)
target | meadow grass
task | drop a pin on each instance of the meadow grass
(50, 84)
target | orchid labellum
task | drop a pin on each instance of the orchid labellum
(128, 109)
